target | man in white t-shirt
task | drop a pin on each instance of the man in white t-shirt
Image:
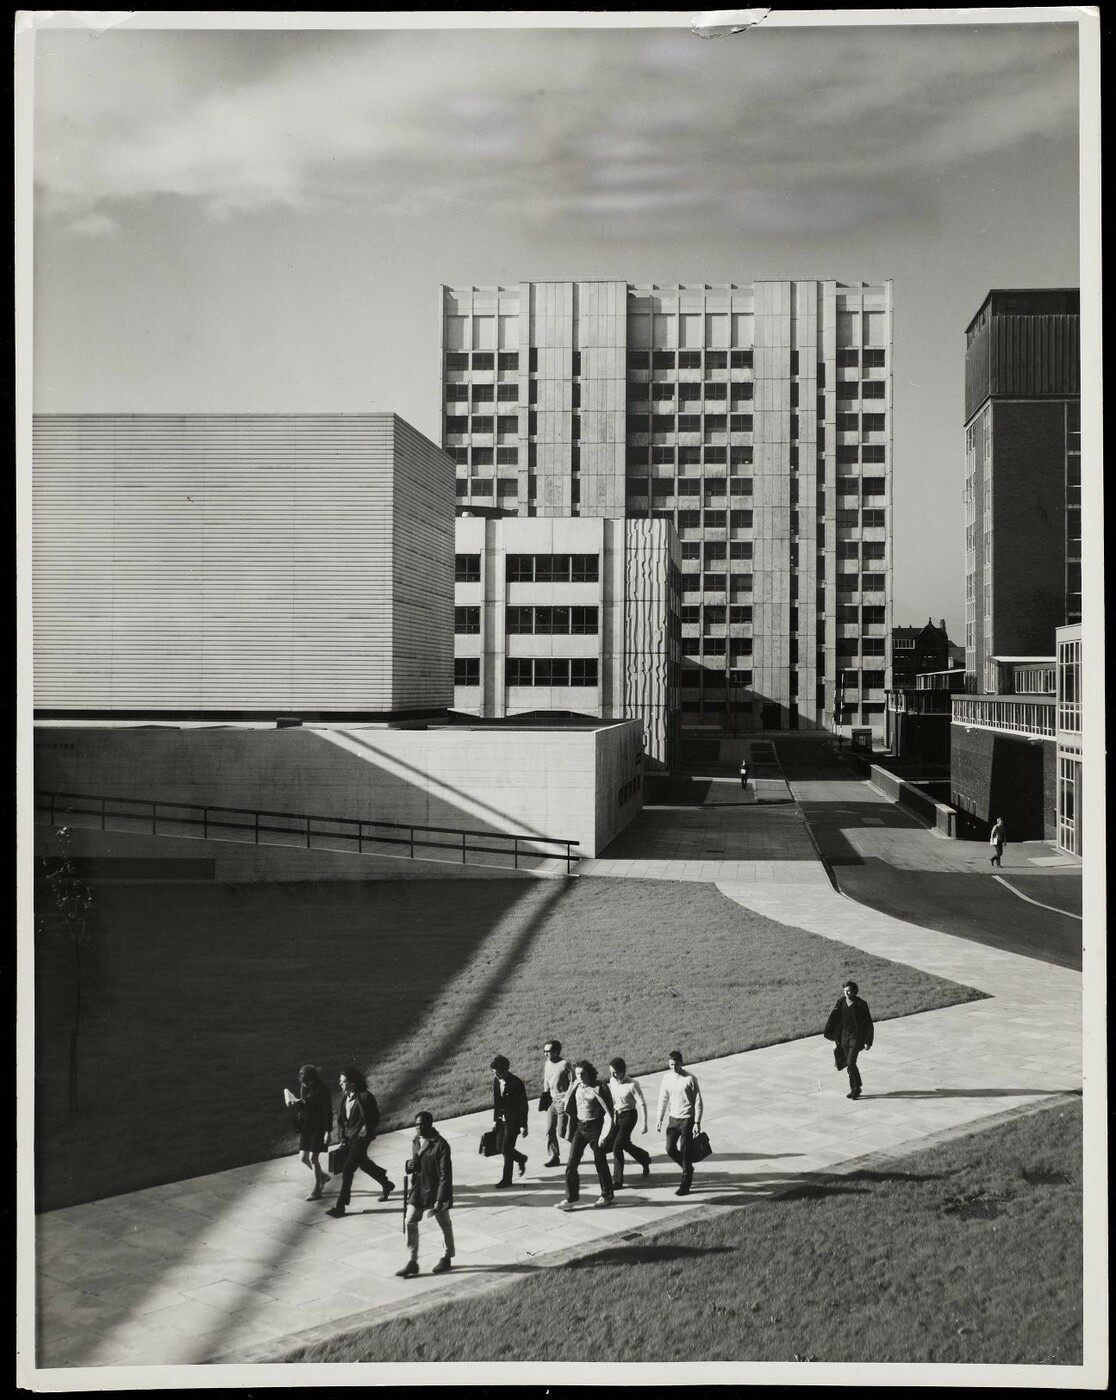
(680, 1103)
(627, 1101)
(557, 1078)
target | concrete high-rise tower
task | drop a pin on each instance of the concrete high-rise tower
(756, 418)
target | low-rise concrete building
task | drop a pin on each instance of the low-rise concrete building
(557, 615)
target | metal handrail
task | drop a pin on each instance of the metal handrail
(302, 824)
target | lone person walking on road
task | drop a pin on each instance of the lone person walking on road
(743, 773)
(431, 1173)
(998, 840)
(680, 1094)
(850, 1025)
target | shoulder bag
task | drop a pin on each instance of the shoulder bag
(699, 1147)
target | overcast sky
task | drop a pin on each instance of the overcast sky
(251, 221)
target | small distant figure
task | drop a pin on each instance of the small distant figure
(850, 1025)
(999, 840)
(627, 1100)
(681, 1105)
(314, 1110)
(557, 1078)
(594, 1121)
(743, 773)
(509, 1106)
(430, 1168)
(358, 1117)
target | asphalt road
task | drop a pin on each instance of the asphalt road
(970, 904)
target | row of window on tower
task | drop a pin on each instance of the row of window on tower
(539, 621)
(532, 670)
(534, 568)
(507, 361)
(718, 392)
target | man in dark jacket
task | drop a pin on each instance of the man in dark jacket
(431, 1173)
(358, 1117)
(850, 1025)
(509, 1106)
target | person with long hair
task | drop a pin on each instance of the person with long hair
(594, 1114)
(314, 1108)
(358, 1117)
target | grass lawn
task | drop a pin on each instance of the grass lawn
(967, 1252)
(206, 999)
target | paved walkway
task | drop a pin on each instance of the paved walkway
(237, 1267)
(754, 835)
(884, 857)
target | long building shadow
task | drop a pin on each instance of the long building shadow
(446, 802)
(332, 973)
(405, 1089)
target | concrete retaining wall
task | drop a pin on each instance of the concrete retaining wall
(936, 814)
(558, 783)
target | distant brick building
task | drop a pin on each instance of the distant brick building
(917, 649)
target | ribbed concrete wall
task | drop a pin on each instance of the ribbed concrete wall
(652, 641)
(235, 563)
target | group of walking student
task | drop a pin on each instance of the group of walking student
(597, 1116)
(594, 1114)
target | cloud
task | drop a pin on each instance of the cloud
(93, 225)
(777, 131)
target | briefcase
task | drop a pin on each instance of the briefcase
(492, 1142)
(699, 1147)
(839, 1059)
(545, 1100)
(335, 1157)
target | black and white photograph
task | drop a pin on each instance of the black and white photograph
(560, 735)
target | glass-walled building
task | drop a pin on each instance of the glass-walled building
(1069, 738)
